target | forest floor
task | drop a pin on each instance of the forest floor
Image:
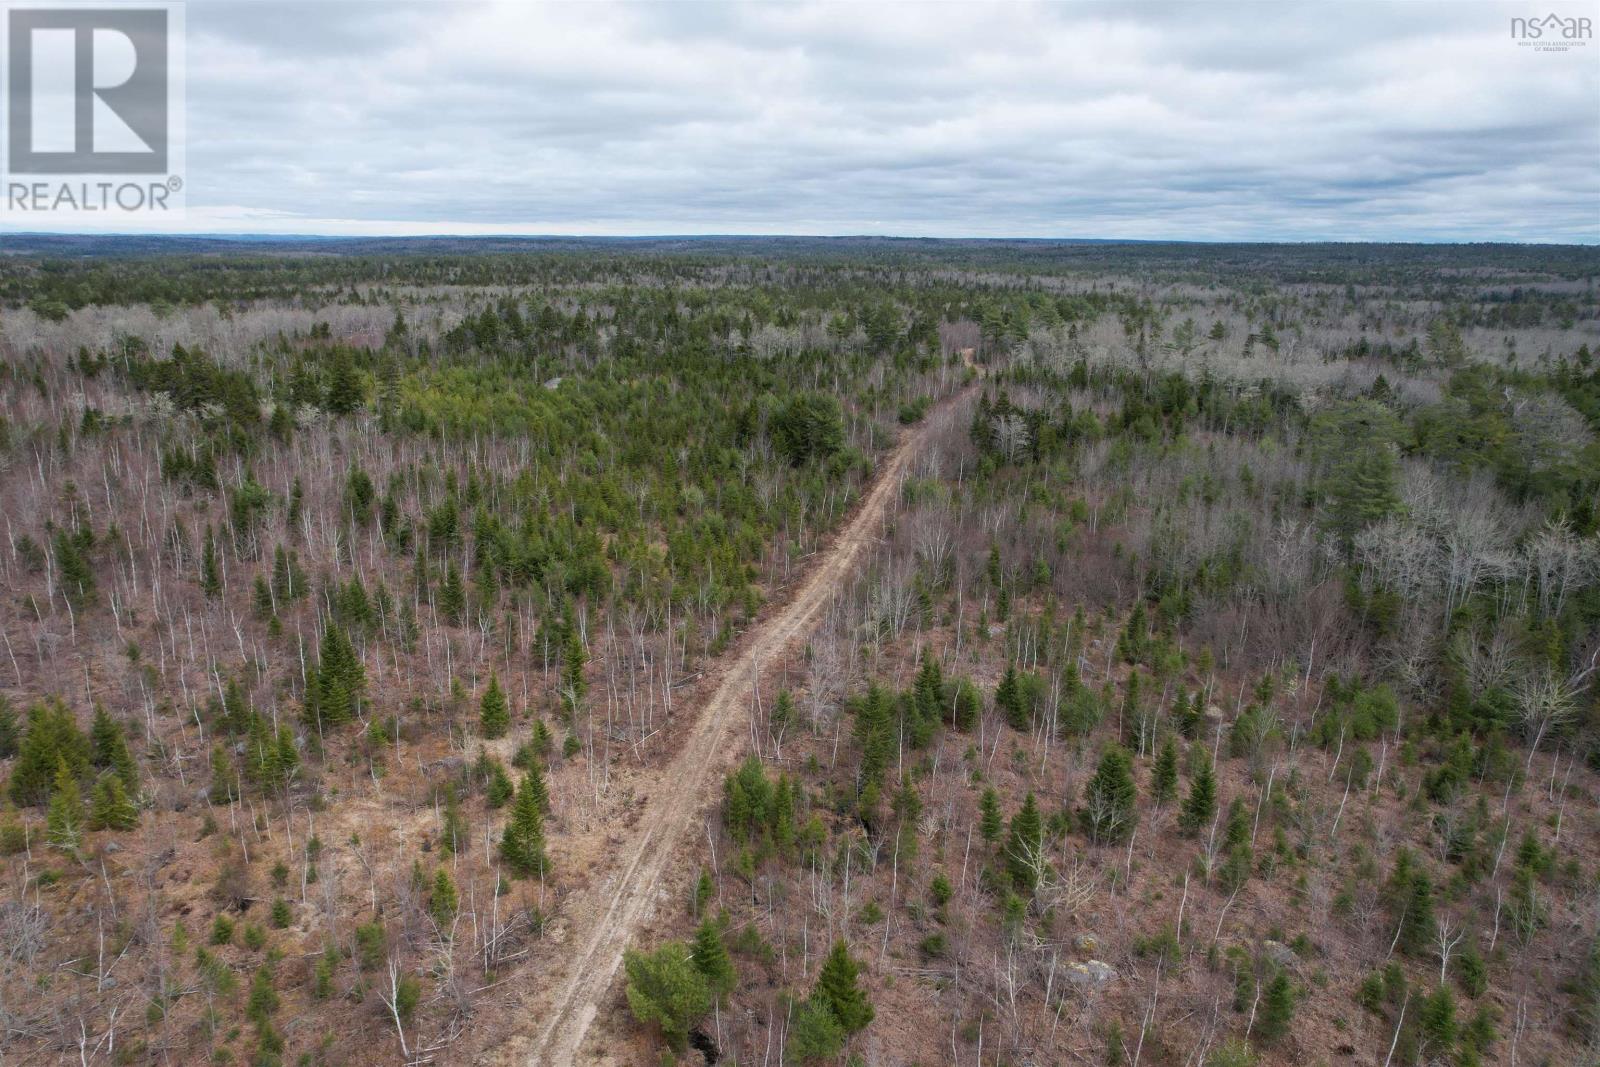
(598, 922)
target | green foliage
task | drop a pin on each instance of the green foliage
(1277, 1008)
(1024, 851)
(838, 988)
(711, 959)
(64, 819)
(664, 987)
(1164, 776)
(494, 717)
(52, 738)
(815, 1036)
(1200, 806)
(522, 843)
(442, 899)
(335, 688)
(1111, 798)
(108, 750)
(808, 427)
(110, 808)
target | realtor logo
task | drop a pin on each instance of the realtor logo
(93, 93)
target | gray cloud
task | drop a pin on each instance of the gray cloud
(1336, 120)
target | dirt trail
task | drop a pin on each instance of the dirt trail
(604, 920)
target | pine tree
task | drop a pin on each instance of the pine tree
(522, 844)
(1111, 798)
(493, 715)
(452, 596)
(815, 1036)
(110, 808)
(52, 736)
(1437, 1020)
(64, 820)
(875, 734)
(711, 959)
(210, 572)
(1008, 699)
(1277, 1008)
(573, 659)
(1200, 807)
(77, 576)
(989, 821)
(837, 988)
(1164, 777)
(664, 987)
(10, 733)
(498, 789)
(1416, 921)
(442, 899)
(108, 748)
(453, 834)
(1025, 846)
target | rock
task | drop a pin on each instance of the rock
(1279, 953)
(1088, 944)
(112, 846)
(1091, 974)
(1213, 713)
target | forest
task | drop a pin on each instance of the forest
(1220, 685)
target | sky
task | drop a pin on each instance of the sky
(1333, 120)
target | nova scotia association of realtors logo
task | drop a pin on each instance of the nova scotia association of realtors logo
(1553, 33)
(93, 112)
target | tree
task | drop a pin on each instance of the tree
(1025, 847)
(1277, 1008)
(442, 899)
(77, 576)
(494, 717)
(210, 571)
(837, 988)
(665, 988)
(816, 1035)
(110, 808)
(1363, 489)
(64, 820)
(522, 843)
(452, 596)
(1417, 924)
(1164, 776)
(711, 959)
(990, 822)
(808, 427)
(52, 736)
(1110, 798)
(108, 749)
(1200, 806)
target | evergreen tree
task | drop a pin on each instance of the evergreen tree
(1417, 920)
(711, 959)
(1363, 489)
(499, 788)
(1200, 806)
(452, 596)
(1025, 846)
(51, 738)
(442, 899)
(990, 822)
(1008, 699)
(336, 688)
(77, 576)
(815, 1036)
(1111, 798)
(1164, 776)
(875, 734)
(665, 987)
(210, 571)
(574, 685)
(1436, 1018)
(10, 732)
(493, 715)
(837, 987)
(522, 844)
(108, 748)
(1277, 1008)
(110, 808)
(64, 819)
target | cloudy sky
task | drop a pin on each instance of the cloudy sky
(1206, 120)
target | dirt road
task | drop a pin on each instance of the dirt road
(605, 920)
